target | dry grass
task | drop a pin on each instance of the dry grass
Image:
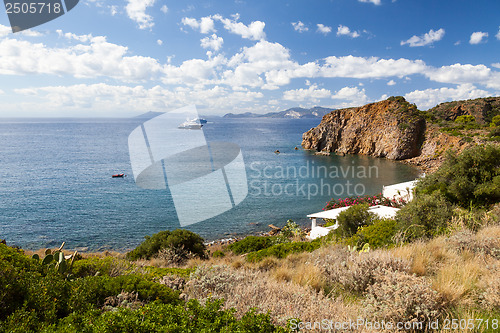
(456, 281)
(244, 289)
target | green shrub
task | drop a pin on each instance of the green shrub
(157, 317)
(425, 216)
(283, 250)
(218, 254)
(183, 242)
(153, 317)
(104, 266)
(291, 229)
(251, 244)
(469, 179)
(16, 272)
(90, 292)
(465, 119)
(379, 234)
(494, 132)
(351, 219)
(495, 121)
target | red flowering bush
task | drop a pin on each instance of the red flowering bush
(371, 200)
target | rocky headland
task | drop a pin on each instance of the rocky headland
(397, 130)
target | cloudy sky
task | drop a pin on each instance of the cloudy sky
(125, 57)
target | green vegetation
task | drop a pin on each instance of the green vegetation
(379, 234)
(352, 219)
(495, 121)
(183, 242)
(251, 244)
(469, 179)
(36, 298)
(283, 250)
(465, 119)
(425, 216)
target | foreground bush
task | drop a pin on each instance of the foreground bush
(283, 250)
(353, 218)
(251, 244)
(37, 300)
(379, 234)
(154, 317)
(357, 272)
(244, 289)
(469, 179)
(425, 216)
(181, 242)
(400, 297)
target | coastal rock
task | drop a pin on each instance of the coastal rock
(435, 145)
(483, 109)
(393, 129)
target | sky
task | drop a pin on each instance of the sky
(125, 57)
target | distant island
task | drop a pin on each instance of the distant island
(293, 113)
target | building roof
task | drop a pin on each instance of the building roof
(379, 210)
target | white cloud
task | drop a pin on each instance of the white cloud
(213, 42)
(353, 95)
(5, 30)
(477, 37)
(375, 2)
(136, 11)
(270, 59)
(498, 34)
(342, 30)
(391, 83)
(426, 39)
(159, 42)
(98, 58)
(300, 26)
(312, 93)
(373, 67)
(113, 10)
(324, 29)
(428, 98)
(496, 65)
(80, 38)
(106, 98)
(253, 31)
(164, 9)
(205, 25)
(459, 73)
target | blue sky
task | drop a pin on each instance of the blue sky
(125, 57)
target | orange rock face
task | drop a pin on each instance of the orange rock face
(393, 129)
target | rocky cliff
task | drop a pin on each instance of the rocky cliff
(393, 129)
(483, 109)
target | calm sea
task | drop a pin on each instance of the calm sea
(56, 183)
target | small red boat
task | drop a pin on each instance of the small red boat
(119, 175)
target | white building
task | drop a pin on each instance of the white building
(399, 191)
(332, 214)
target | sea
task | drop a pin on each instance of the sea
(56, 184)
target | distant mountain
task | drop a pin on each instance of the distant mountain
(293, 113)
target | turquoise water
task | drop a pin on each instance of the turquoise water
(56, 183)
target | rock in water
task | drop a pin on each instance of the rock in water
(393, 129)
